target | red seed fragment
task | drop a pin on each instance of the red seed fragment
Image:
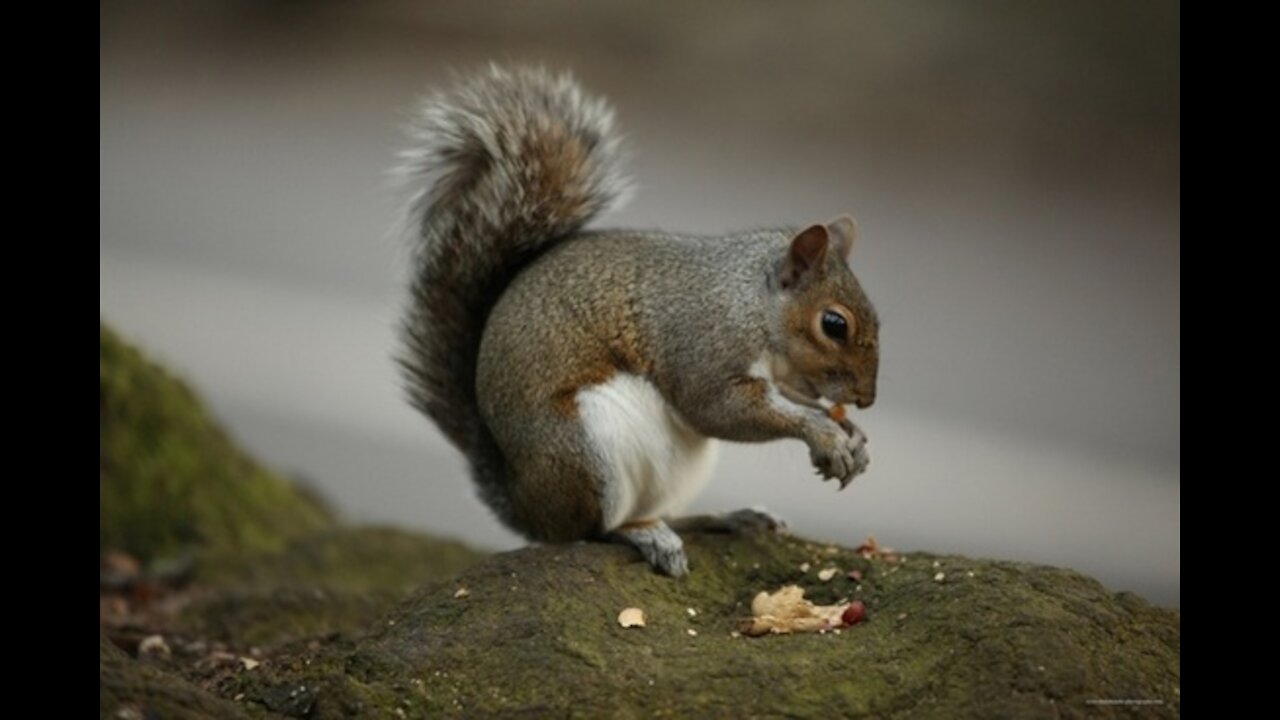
(855, 575)
(854, 614)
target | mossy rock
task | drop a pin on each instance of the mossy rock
(355, 559)
(171, 481)
(129, 689)
(536, 635)
(336, 581)
(329, 587)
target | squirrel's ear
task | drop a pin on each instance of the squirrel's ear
(804, 259)
(844, 232)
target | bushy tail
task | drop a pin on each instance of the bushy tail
(505, 165)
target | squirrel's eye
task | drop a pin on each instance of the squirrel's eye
(835, 326)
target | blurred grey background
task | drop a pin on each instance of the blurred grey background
(1014, 167)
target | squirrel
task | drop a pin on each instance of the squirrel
(587, 375)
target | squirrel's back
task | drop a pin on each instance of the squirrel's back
(503, 166)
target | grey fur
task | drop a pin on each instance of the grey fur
(505, 165)
(690, 314)
(515, 310)
(747, 521)
(659, 545)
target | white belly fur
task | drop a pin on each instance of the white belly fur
(655, 464)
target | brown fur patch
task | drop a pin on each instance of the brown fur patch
(625, 346)
(805, 356)
(554, 499)
(754, 388)
(637, 525)
(621, 352)
(558, 182)
(565, 400)
(814, 362)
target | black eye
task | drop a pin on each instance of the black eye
(834, 326)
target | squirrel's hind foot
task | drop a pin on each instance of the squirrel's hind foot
(747, 521)
(658, 543)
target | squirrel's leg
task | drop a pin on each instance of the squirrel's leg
(553, 488)
(657, 542)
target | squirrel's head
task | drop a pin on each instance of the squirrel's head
(829, 346)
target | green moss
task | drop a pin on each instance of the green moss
(537, 635)
(130, 689)
(171, 481)
(335, 581)
(265, 619)
(351, 559)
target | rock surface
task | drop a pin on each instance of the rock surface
(537, 634)
(217, 559)
(130, 690)
(287, 613)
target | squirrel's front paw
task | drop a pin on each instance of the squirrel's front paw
(841, 455)
(861, 458)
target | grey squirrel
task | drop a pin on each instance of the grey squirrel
(587, 374)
